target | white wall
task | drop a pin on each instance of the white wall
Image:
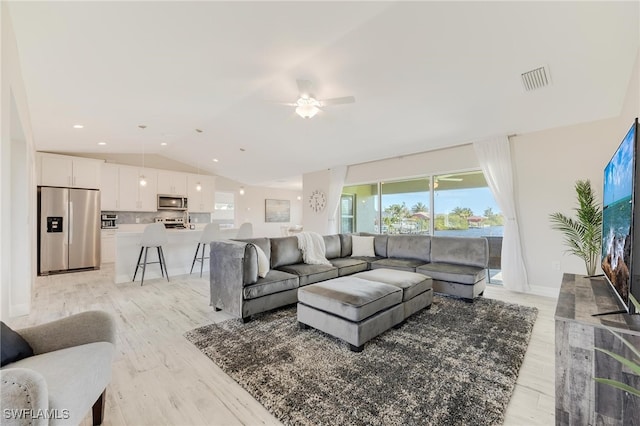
(17, 175)
(546, 166)
(315, 221)
(448, 160)
(250, 206)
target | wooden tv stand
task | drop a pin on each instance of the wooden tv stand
(579, 399)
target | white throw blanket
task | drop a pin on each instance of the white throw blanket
(313, 249)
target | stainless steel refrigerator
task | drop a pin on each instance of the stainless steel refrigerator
(68, 229)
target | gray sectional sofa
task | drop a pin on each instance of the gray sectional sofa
(456, 265)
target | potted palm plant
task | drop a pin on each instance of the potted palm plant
(632, 364)
(583, 234)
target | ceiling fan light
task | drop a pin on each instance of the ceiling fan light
(307, 111)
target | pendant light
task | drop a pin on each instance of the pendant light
(198, 184)
(143, 180)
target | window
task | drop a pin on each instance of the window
(224, 208)
(365, 207)
(464, 206)
(405, 207)
(347, 213)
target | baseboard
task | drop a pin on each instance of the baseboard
(19, 310)
(539, 290)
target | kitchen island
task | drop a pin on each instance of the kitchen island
(178, 253)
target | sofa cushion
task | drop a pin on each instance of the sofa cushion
(369, 260)
(285, 251)
(75, 376)
(309, 274)
(274, 282)
(351, 298)
(412, 284)
(349, 265)
(332, 246)
(460, 251)
(345, 245)
(409, 247)
(463, 274)
(379, 243)
(263, 243)
(409, 265)
(13, 347)
(263, 262)
(362, 246)
(250, 265)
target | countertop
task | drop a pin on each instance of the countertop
(138, 228)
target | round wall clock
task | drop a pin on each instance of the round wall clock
(317, 200)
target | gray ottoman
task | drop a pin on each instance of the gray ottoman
(350, 308)
(417, 289)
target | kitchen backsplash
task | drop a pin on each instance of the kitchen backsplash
(150, 217)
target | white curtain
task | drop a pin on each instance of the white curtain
(337, 177)
(495, 160)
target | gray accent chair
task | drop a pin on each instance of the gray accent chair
(67, 375)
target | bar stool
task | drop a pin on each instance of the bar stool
(211, 232)
(154, 235)
(245, 230)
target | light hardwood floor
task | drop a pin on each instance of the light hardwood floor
(161, 379)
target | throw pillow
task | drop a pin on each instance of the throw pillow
(14, 347)
(362, 246)
(263, 262)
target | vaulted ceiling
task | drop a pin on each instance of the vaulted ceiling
(425, 75)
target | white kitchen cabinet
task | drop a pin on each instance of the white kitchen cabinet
(67, 171)
(200, 201)
(172, 183)
(133, 196)
(109, 187)
(108, 246)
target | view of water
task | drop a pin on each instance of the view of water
(490, 231)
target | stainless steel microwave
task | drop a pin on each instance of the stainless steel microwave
(172, 202)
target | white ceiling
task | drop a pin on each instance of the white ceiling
(425, 75)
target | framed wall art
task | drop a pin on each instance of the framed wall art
(277, 210)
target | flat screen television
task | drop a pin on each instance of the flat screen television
(621, 221)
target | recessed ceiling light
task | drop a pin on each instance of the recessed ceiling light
(215, 160)
(163, 143)
(102, 143)
(78, 126)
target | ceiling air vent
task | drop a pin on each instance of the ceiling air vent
(536, 78)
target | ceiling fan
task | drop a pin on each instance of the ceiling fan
(449, 178)
(308, 106)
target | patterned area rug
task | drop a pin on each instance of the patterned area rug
(455, 364)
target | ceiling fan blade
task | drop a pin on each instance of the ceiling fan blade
(450, 177)
(304, 87)
(338, 101)
(271, 101)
